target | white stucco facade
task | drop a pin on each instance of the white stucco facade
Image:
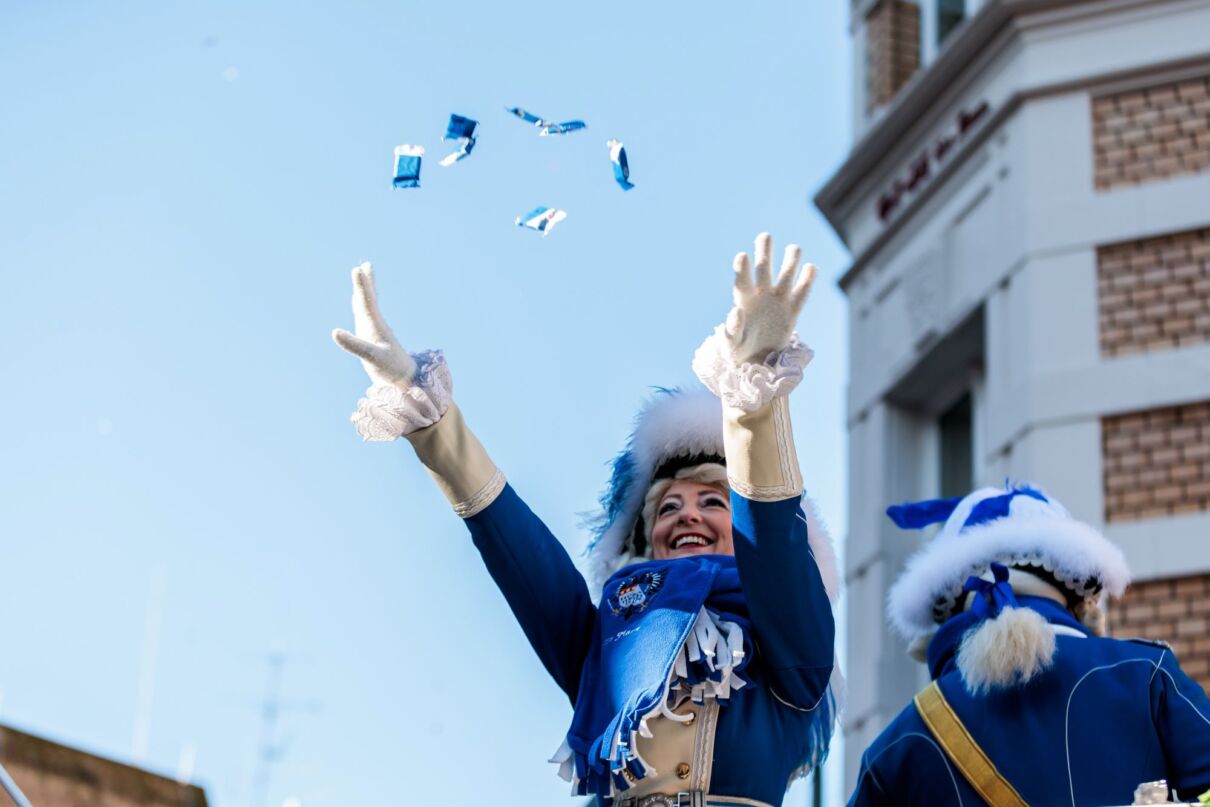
(983, 282)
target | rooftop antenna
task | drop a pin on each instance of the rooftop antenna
(272, 749)
(269, 752)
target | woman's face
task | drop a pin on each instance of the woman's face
(692, 519)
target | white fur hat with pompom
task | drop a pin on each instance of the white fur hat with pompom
(1017, 526)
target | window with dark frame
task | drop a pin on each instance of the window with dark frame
(949, 14)
(956, 454)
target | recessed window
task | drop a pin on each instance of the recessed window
(949, 14)
(956, 453)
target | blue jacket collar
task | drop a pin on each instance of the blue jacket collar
(943, 647)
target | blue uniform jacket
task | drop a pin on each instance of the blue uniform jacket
(1108, 716)
(762, 732)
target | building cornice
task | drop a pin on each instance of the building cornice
(922, 101)
(915, 99)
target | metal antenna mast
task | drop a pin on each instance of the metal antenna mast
(269, 752)
(273, 748)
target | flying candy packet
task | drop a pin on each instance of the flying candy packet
(546, 127)
(463, 129)
(542, 219)
(621, 168)
(528, 117)
(562, 128)
(407, 166)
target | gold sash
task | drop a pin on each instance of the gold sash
(962, 749)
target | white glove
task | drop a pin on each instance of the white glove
(755, 356)
(752, 362)
(385, 360)
(763, 318)
(408, 393)
(412, 396)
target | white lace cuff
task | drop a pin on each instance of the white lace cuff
(749, 386)
(388, 412)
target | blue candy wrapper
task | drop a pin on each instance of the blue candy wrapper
(542, 219)
(546, 127)
(528, 117)
(563, 128)
(621, 168)
(459, 128)
(407, 166)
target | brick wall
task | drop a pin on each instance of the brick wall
(53, 774)
(892, 49)
(1157, 462)
(1159, 132)
(1175, 610)
(1155, 293)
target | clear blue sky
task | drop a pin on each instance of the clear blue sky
(184, 188)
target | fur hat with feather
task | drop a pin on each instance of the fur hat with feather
(674, 429)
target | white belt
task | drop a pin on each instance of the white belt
(689, 799)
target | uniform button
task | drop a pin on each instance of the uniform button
(682, 771)
(627, 773)
(692, 717)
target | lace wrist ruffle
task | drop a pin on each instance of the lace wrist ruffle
(388, 412)
(749, 386)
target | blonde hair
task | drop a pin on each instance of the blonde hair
(708, 473)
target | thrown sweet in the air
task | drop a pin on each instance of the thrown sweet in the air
(542, 219)
(407, 166)
(562, 128)
(621, 168)
(546, 127)
(459, 128)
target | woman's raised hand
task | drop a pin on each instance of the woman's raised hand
(384, 359)
(765, 310)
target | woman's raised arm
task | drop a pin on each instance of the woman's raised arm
(411, 396)
(752, 362)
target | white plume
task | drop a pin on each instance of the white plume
(1006, 651)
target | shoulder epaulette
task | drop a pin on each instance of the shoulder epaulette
(1153, 642)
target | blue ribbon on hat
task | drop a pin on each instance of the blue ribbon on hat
(998, 506)
(917, 515)
(991, 598)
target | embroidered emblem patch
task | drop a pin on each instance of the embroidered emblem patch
(634, 594)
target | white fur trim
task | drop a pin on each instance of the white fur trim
(819, 538)
(1006, 651)
(749, 386)
(1034, 533)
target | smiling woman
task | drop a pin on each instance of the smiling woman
(691, 616)
(690, 513)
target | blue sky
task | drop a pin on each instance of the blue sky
(184, 188)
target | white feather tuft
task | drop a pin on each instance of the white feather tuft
(1006, 651)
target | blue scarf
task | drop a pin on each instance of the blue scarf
(649, 613)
